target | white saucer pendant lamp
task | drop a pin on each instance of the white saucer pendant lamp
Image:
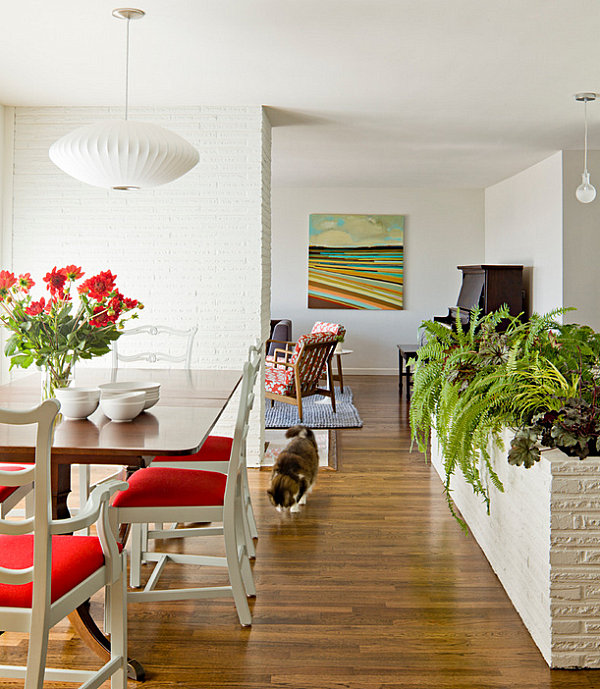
(124, 154)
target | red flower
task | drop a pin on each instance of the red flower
(115, 306)
(25, 282)
(56, 281)
(37, 307)
(98, 286)
(129, 304)
(7, 280)
(102, 318)
(73, 272)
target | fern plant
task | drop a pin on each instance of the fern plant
(469, 384)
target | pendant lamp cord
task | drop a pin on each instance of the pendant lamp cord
(127, 72)
(585, 128)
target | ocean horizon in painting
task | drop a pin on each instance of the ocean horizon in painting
(356, 262)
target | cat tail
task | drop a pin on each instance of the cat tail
(301, 431)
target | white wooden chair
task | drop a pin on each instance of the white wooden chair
(45, 575)
(12, 495)
(179, 353)
(166, 494)
(214, 455)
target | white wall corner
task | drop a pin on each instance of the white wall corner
(7, 131)
(524, 225)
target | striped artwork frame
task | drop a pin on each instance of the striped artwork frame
(356, 261)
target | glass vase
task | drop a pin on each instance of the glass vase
(54, 377)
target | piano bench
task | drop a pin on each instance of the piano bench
(405, 352)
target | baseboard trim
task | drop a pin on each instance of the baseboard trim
(370, 371)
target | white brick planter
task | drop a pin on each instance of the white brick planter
(542, 539)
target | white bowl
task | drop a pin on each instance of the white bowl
(77, 403)
(151, 389)
(123, 407)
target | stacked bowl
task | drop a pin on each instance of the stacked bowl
(125, 400)
(77, 403)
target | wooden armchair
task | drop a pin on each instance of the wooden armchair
(294, 373)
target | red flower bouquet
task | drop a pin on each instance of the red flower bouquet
(54, 332)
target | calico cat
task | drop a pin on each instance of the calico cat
(295, 470)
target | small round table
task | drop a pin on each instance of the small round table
(338, 361)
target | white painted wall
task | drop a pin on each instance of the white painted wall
(581, 287)
(541, 540)
(3, 168)
(195, 251)
(443, 228)
(524, 225)
(515, 536)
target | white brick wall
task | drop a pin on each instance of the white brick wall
(575, 561)
(194, 251)
(542, 538)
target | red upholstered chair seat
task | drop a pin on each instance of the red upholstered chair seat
(6, 491)
(74, 558)
(216, 448)
(165, 487)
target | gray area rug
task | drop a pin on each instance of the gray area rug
(317, 412)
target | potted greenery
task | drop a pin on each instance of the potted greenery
(538, 377)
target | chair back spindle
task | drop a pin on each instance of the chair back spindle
(151, 349)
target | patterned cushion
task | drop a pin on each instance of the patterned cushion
(279, 380)
(335, 328)
(310, 339)
(165, 487)
(311, 362)
(6, 491)
(74, 558)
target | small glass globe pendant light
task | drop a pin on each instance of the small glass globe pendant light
(124, 154)
(585, 192)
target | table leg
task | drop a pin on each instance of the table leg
(88, 630)
(400, 371)
(82, 621)
(61, 487)
(339, 368)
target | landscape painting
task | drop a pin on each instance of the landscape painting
(356, 261)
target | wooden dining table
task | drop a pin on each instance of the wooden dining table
(191, 402)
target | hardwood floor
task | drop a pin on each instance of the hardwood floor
(371, 586)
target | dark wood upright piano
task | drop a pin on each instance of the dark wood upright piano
(489, 287)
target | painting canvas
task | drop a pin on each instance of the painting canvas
(356, 261)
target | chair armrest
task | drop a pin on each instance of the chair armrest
(285, 352)
(96, 509)
(283, 363)
(285, 342)
(88, 514)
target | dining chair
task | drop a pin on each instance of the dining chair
(178, 353)
(149, 351)
(12, 495)
(295, 373)
(166, 494)
(46, 574)
(214, 455)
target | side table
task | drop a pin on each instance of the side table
(338, 361)
(405, 352)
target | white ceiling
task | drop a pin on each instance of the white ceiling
(452, 93)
